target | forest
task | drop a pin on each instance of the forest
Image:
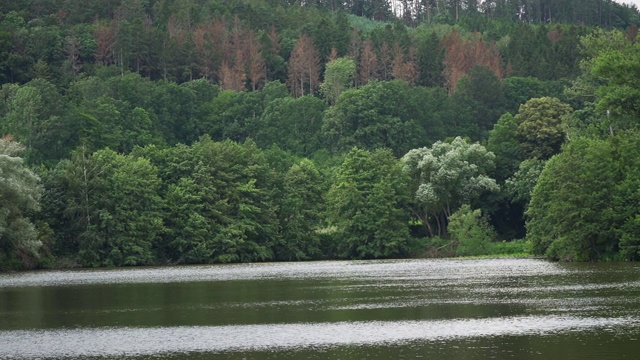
(156, 132)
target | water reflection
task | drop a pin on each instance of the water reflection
(398, 270)
(112, 342)
(445, 309)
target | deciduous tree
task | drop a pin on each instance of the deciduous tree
(338, 76)
(540, 126)
(446, 176)
(367, 203)
(20, 193)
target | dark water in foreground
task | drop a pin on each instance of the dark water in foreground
(405, 309)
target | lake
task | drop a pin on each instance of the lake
(396, 309)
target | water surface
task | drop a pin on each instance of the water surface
(445, 309)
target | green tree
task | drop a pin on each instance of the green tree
(377, 115)
(24, 114)
(105, 209)
(221, 203)
(521, 184)
(482, 92)
(446, 176)
(471, 232)
(504, 144)
(618, 96)
(366, 204)
(338, 76)
(584, 204)
(430, 59)
(20, 193)
(540, 126)
(301, 213)
(518, 90)
(294, 124)
(189, 229)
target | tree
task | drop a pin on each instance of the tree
(463, 55)
(368, 65)
(430, 56)
(293, 124)
(518, 90)
(540, 126)
(377, 115)
(503, 143)
(338, 76)
(470, 231)
(619, 92)
(366, 204)
(221, 203)
(20, 193)
(256, 67)
(304, 67)
(404, 69)
(108, 208)
(446, 176)
(32, 118)
(301, 213)
(572, 214)
(521, 184)
(482, 92)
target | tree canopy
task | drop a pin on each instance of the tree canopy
(171, 132)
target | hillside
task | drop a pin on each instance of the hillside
(163, 132)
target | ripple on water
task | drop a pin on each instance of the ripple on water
(112, 342)
(451, 270)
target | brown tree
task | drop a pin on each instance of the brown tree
(275, 41)
(384, 61)
(402, 69)
(368, 66)
(232, 74)
(463, 54)
(256, 68)
(304, 67)
(105, 41)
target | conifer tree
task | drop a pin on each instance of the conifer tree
(304, 67)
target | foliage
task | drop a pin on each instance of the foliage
(519, 248)
(446, 176)
(583, 206)
(481, 91)
(540, 126)
(105, 208)
(194, 131)
(20, 193)
(504, 144)
(292, 123)
(471, 232)
(366, 205)
(301, 215)
(377, 115)
(338, 76)
(521, 184)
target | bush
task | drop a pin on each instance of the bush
(471, 232)
(516, 248)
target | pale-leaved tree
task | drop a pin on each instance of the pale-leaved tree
(20, 193)
(445, 176)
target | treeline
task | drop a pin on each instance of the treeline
(136, 171)
(242, 45)
(196, 132)
(603, 13)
